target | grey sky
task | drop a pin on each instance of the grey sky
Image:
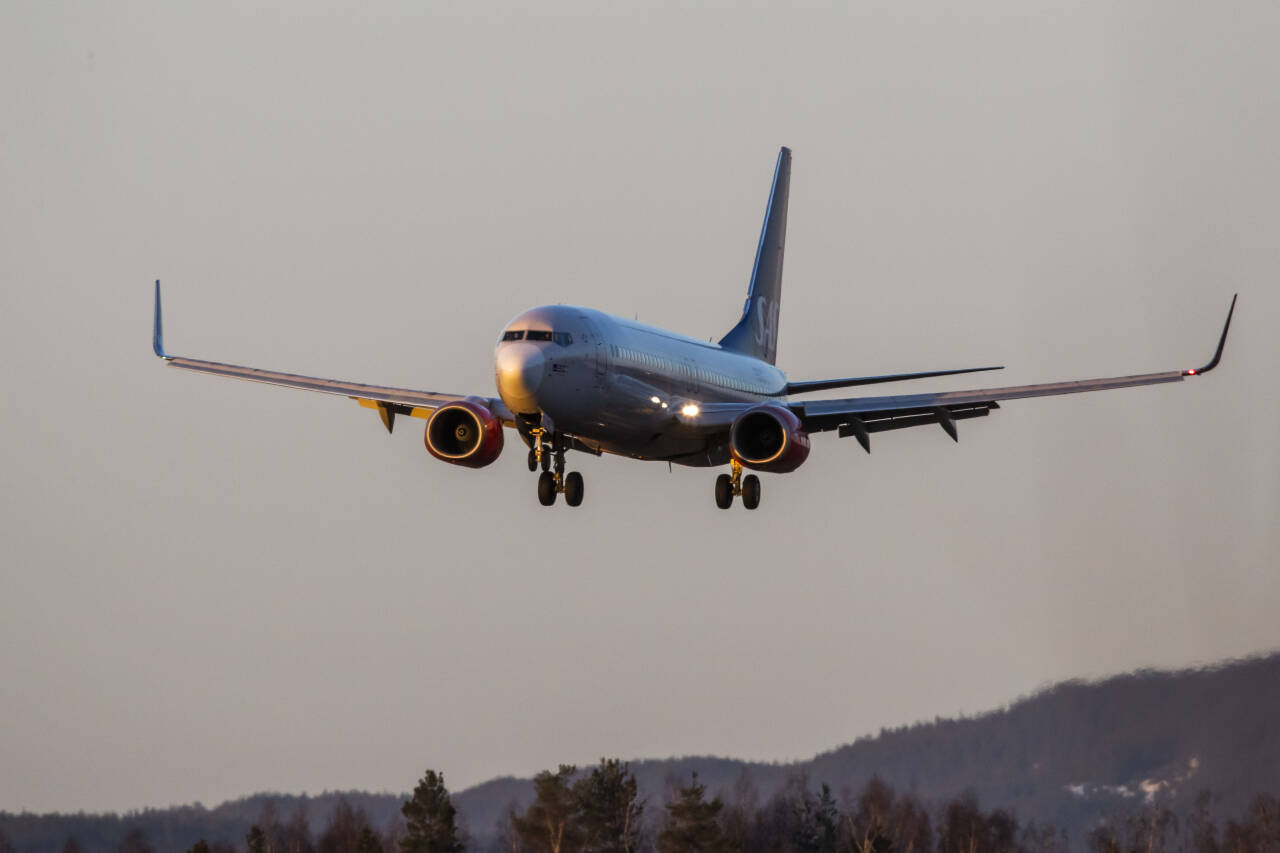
(211, 588)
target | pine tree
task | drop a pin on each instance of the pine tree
(430, 818)
(256, 840)
(692, 822)
(369, 841)
(609, 808)
(819, 823)
(200, 846)
(551, 823)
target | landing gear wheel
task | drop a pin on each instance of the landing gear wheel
(573, 488)
(724, 491)
(750, 491)
(546, 488)
(546, 460)
(533, 459)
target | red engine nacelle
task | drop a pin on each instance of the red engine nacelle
(769, 438)
(464, 433)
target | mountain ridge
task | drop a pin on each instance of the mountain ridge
(1068, 754)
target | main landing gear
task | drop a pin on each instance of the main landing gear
(729, 485)
(545, 455)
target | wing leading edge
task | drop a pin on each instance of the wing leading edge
(860, 416)
(388, 401)
(849, 382)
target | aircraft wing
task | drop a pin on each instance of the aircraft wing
(388, 401)
(860, 416)
(850, 381)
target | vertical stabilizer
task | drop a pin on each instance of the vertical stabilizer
(757, 332)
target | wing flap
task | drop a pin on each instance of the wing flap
(887, 421)
(822, 412)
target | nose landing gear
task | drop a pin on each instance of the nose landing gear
(539, 453)
(552, 483)
(735, 484)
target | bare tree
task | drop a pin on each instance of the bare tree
(878, 820)
(740, 816)
(345, 829)
(296, 837)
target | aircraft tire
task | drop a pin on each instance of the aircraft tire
(724, 491)
(573, 488)
(546, 488)
(533, 459)
(751, 491)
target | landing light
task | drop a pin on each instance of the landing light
(690, 410)
(654, 400)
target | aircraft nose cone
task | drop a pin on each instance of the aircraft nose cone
(521, 369)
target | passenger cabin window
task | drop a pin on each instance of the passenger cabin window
(513, 335)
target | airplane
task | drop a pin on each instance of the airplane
(574, 378)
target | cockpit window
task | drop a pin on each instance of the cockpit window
(564, 339)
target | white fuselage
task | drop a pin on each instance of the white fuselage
(623, 387)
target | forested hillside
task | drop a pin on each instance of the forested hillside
(1131, 755)
(1069, 755)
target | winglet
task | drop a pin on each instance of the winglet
(1222, 342)
(157, 332)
